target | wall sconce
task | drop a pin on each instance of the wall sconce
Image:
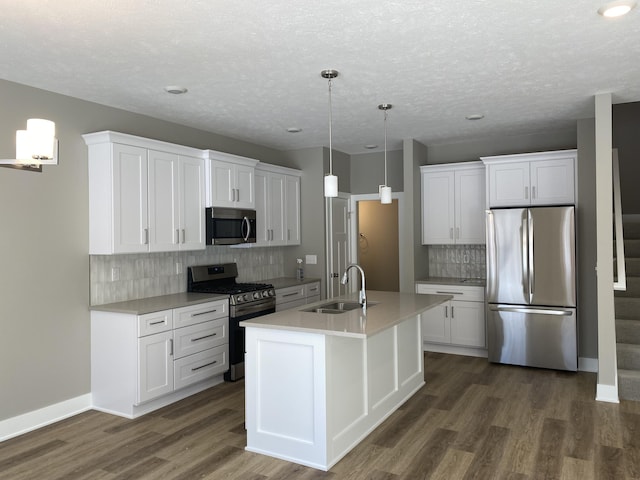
(35, 146)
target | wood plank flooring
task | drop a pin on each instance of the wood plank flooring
(472, 420)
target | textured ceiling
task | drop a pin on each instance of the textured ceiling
(252, 67)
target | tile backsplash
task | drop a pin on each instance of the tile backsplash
(116, 278)
(457, 261)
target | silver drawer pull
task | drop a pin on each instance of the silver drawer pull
(202, 338)
(290, 294)
(205, 365)
(156, 323)
(203, 313)
(449, 293)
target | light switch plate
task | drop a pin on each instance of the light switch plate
(115, 274)
(311, 259)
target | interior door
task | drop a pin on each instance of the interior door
(337, 245)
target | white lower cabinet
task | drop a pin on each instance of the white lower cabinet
(458, 322)
(296, 296)
(140, 363)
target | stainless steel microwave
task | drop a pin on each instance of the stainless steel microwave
(230, 226)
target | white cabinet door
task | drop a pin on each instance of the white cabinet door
(509, 184)
(438, 207)
(223, 184)
(292, 209)
(155, 366)
(436, 327)
(130, 229)
(552, 182)
(275, 204)
(262, 208)
(469, 206)
(191, 200)
(244, 184)
(163, 201)
(467, 324)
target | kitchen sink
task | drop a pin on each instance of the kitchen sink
(337, 307)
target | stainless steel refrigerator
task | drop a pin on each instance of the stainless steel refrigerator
(531, 287)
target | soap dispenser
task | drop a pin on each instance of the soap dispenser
(299, 270)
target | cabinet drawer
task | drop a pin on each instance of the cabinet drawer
(155, 322)
(289, 294)
(201, 313)
(463, 293)
(288, 305)
(199, 337)
(312, 290)
(200, 366)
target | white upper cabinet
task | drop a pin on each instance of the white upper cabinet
(545, 178)
(230, 180)
(144, 195)
(453, 203)
(277, 205)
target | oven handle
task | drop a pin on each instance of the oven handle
(267, 305)
(245, 222)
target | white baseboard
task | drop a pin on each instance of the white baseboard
(14, 426)
(587, 364)
(607, 393)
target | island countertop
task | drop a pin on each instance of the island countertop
(384, 310)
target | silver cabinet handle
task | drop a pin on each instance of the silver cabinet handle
(446, 312)
(171, 346)
(290, 294)
(533, 192)
(451, 233)
(146, 236)
(204, 313)
(457, 232)
(288, 234)
(205, 365)
(526, 192)
(177, 235)
(184, 236)
(203, 337)
(442, 292)
(451, 311)
(156, 323)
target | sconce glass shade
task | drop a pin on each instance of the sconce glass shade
(23, 155)
(330, 186)
(385, 194)
(41, 136)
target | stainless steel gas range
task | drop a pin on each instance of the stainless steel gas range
(246, 300)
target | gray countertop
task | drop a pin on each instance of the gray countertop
(472, 282)
(390, 309)
(284, 282)
(157, 304)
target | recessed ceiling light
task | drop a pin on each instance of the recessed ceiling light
(175, 89)
(294, 129)
(616, 9)
(371, 146)
(475, 116)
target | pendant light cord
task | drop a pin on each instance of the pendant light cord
(330, 121)
(385, 149)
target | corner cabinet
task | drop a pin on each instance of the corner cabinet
(144, 195)
(460, 322)
(230, 180)
(277, 205)
(453, 203)
(140, 363)
(544, 178)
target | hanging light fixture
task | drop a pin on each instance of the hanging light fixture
(330, 181)
(384, 190)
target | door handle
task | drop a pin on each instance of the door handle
(532, 278)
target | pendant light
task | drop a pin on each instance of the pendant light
(385, 190)
(330, 181)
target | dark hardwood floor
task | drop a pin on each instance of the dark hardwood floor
(472, 420)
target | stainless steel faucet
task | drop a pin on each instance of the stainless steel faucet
(362, 297)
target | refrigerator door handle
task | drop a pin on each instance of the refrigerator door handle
(538, 311)
(532, 278)
(491, 249)
(526, 281)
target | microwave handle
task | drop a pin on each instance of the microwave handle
(245, 221)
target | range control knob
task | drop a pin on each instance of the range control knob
(256, 295)
(239, 299)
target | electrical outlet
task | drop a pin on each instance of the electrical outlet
(178, 268)
(115, 274)
(465, 258)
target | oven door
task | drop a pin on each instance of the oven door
(238, 314)
(230, 226)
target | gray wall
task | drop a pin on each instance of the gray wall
(367, 172)
(44, 279)
(626, 138)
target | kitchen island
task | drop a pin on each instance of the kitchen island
(318, 383)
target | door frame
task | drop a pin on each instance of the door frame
(328, 238)
(353, 227)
